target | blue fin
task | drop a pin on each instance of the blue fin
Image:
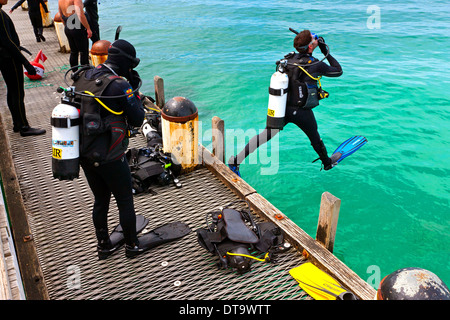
(347, 148)
(235, 169)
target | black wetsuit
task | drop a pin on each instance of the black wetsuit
(78, 41)
(91, 9)
(303, 118)
(34, 11)
(114, 177)
(11, 61)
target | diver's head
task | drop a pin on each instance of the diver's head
(2, 2)
(306, 41)
(122, 57)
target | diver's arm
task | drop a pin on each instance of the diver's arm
(332, 70)
(134, 110)
(44, 5)
(131, 103)
(14, 7)
(80, 13)
(8, 44)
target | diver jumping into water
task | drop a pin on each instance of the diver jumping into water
(304, 72)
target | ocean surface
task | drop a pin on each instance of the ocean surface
(395, 91)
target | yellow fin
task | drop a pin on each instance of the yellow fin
(318, 284)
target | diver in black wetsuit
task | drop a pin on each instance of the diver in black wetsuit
(91, 8)
(102, 154)
(34, 11)
(77, 30)
(11, 61)
(305, 43)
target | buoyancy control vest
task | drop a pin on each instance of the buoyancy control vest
(235, 238)
(151, 166)
(305, 90)
(102, 138)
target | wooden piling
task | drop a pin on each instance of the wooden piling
(218, 138)
(328, 219)
(159, 91)
(5, 288)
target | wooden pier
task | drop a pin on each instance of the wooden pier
(51, 225)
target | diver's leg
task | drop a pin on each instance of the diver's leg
(306, 121)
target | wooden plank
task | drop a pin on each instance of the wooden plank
(32, 276)
(220, 170)
(5, 287)
(328, 219)
(320, 256)
(218, 138)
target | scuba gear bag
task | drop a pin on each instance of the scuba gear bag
(235, 238)
(150, 166)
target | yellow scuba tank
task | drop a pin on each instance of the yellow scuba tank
(277, 97)
(65, 141)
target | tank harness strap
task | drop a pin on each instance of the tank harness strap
(104, 105)
(277, 92)
(64, 122)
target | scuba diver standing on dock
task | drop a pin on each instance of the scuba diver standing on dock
(77, 30)
(104, 139)
(34, 12)
(303, 92)
(11, 61)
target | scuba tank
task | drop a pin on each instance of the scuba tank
(277, 97)
(65, 138)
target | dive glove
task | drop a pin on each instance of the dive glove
(322, 46)
(30, 69)
(134, 79)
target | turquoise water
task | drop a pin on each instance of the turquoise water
(394, 90)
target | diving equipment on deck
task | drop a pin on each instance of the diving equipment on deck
(237, 240)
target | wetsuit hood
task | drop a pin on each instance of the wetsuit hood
(122, 57)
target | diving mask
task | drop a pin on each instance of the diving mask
(314, 38)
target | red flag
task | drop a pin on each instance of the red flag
(40, 56)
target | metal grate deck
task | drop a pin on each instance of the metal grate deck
(59, 214)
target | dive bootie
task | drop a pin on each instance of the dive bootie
(163, 234)
(105, 248)
(26, 131)
(232, 164)
(345, 149)
(116, 239)
(321, 150)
